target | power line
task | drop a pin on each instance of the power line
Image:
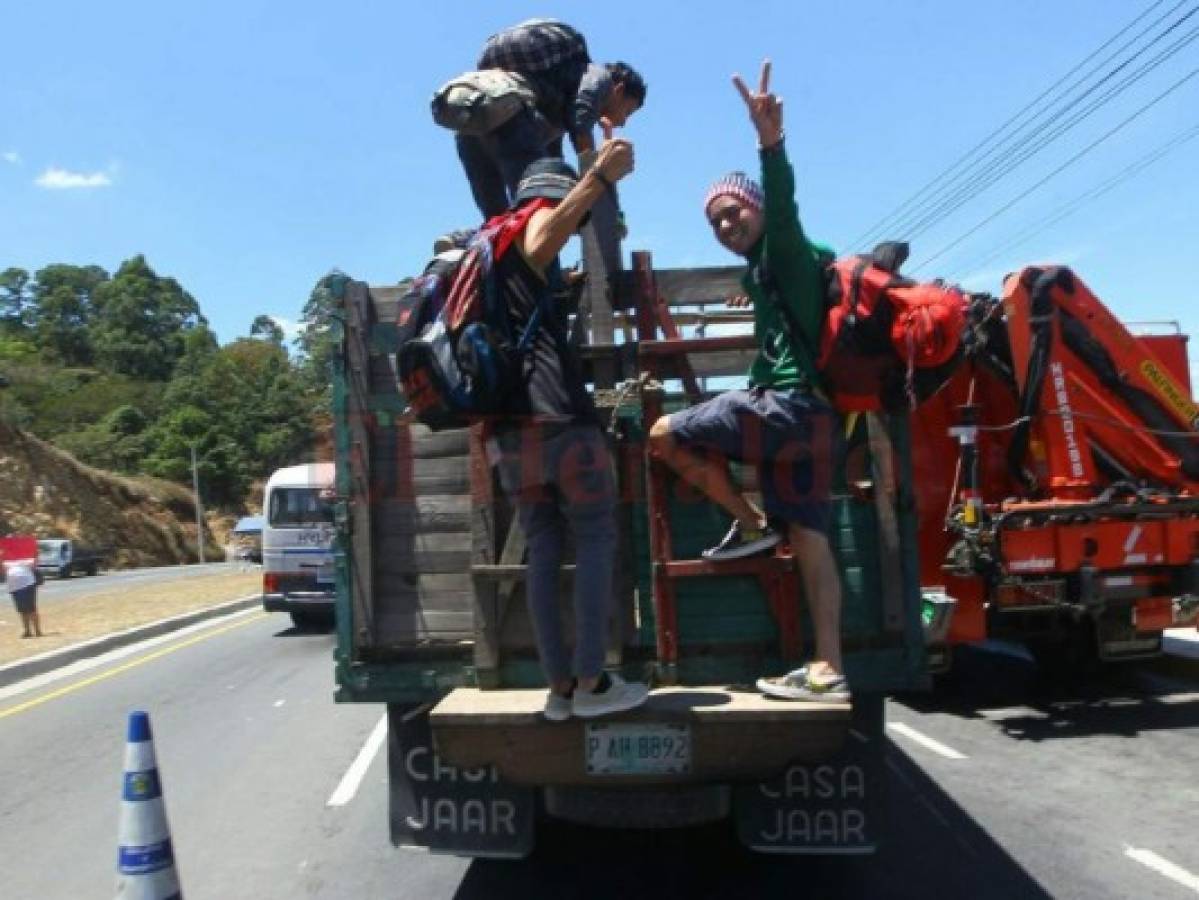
(1005, 166)
(1019, 138)
(897, 214)
(1071, 161)
(1095, 193)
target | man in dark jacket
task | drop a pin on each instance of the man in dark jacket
(552, 456)
(783, 423)
(573, 94)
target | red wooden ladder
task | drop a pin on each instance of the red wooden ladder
(777, 574)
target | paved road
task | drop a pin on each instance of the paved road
(78, 586)
(1049, 793)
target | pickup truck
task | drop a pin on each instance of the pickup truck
(431, 618)
(63, 557)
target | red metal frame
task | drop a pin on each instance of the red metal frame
(777, 574)
(1078, 409)
(1063, 531)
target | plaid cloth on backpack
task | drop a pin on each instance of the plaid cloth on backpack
(551, 54)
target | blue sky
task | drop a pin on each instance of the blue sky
(247, 148)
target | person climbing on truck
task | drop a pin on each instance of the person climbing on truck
(783, 423)
(570, 94)
(551, 454)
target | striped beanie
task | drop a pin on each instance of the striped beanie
(738, 185)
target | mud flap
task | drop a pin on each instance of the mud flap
(835, 807)
(469, 812)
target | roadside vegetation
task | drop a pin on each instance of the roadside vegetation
(121, 371)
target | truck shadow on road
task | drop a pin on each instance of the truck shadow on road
(308, 631)
(931, 847)
(1011, 693)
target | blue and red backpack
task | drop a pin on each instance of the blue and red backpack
(459, 357)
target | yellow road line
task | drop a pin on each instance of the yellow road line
(125, 667)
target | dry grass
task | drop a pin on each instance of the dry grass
(70, 621)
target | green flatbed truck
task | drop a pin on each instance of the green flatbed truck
(431, 619)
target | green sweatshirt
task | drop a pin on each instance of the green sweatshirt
(796, 270)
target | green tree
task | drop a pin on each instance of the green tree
(222, 466)
(141, 321)
(318, 337)
(64, 301)
(244, 408)
(117, 442)
(16, 302)
(268, 329)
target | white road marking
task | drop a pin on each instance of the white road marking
(925, 741)
(95, 662)
(1164, 867)
(279, 703)
(348, 786)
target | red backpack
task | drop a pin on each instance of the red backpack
(882, 327)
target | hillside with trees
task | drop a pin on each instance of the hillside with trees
(121, 371)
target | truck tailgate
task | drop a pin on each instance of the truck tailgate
(682, 735)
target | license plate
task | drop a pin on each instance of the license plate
(619, 748)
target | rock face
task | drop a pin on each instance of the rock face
(47, 492)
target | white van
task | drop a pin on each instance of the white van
(298, 575)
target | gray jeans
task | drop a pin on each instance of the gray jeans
(494, 162)
(559, 477)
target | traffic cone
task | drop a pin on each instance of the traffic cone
(145, 861)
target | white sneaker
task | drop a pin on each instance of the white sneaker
(557, 707)
(619, 696)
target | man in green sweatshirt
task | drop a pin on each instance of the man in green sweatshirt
(783, 423)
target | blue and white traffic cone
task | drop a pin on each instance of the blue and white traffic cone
(145, 861)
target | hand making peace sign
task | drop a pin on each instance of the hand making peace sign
(765, 109)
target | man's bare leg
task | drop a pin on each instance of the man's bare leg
(822, 587)
(709, 475)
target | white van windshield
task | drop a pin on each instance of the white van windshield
(298, 506)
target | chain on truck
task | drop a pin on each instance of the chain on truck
(431, 619)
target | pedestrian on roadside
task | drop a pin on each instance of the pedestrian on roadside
(573, 94)
(784, 423)
(21, 578)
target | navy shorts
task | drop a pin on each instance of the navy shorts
(793, 438)
(25, 599)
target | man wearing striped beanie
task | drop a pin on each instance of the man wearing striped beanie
(783, 423)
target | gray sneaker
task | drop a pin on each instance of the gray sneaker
(799, 685)
(619, 696)
(741, 542)
(557, 708)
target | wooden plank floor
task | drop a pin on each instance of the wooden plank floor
(516, 707)
(735, 735)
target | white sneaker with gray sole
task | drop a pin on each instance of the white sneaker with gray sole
(620, 696)
(557, 708)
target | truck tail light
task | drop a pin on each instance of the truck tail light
(270, 583)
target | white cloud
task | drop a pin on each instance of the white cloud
(56, 179)
(12, 156)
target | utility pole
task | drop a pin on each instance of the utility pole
(199, 509)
